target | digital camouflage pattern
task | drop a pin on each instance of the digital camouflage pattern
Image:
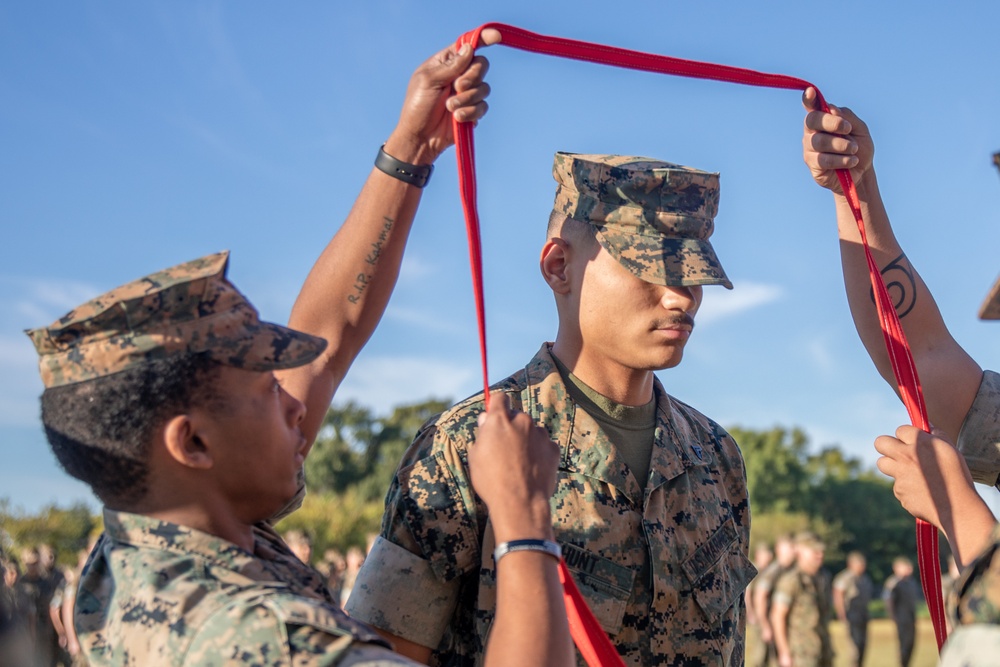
(654, 217)
(808, 615)
(156, 593)
(979, 438)
(189, 308)
(975, 611)
(691, 524)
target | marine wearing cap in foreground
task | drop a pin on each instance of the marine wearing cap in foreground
(651, 506)
(190, 419)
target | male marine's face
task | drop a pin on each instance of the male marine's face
(632, 323)
(809, 558)
(260, 448)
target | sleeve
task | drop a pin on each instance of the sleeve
(979, 437)
(785, 589)
(969, 646)
(408, 585)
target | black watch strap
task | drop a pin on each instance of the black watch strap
(414, 174)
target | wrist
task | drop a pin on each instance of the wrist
(532, 521)
(410, 148)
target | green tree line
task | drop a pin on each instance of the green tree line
(792, 486)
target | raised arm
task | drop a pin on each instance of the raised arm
(949, 376)
(348, 288)
(513, 469)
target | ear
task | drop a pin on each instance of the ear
(554, 264)
(184, 443)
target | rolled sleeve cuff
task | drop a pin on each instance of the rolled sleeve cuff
(396, 591)
(979, 438)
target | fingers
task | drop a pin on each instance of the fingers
(468, 104)
(833, 122)
(473, 75)
(499, 408)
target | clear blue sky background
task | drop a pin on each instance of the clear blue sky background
(134, 136)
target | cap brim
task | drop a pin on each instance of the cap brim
(269, 347)
(990, 310)
(665, 260)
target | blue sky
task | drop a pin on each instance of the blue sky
(134, 136)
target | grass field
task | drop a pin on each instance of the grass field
(883, 649)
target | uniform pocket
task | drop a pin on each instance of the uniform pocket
(719, 572)
(605, 585)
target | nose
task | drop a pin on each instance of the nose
(682, 297)
(296, 409)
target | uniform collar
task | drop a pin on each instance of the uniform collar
(588, 451)
(143, 532)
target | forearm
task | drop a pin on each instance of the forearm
(780, 632)
(348, 288)
(530, 626)
(969, 529)
(838, 604)
(760, 606)
(949, 376)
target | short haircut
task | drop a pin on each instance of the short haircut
(101, 430)
(563, 226)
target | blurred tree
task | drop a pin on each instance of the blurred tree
(775, 462)
(66, 529)
(832, 494)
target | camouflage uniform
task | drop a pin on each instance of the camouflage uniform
(808, 614)
(157, 593)
(975, 610)
(979, 439)
(430, 577)
(858, 591)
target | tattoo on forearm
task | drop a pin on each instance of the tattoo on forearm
(371, 259)
(901, 285)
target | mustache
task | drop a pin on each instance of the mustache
(673, 320)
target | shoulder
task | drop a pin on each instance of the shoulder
(787, 582)
(843, 579)
(276, 629)
(695, 425)
(456, 427)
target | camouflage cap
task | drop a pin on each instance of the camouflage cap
(654, 217)
(990, 310)
(189, 308)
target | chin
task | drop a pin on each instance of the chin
(662, 364)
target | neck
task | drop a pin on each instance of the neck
(199, 514)
(626, 386)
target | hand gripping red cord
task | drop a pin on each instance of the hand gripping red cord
(593, 644)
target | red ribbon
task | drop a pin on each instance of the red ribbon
(592, 642)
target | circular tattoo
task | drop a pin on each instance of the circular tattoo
(899, 282)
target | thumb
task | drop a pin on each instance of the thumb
(448, 64)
